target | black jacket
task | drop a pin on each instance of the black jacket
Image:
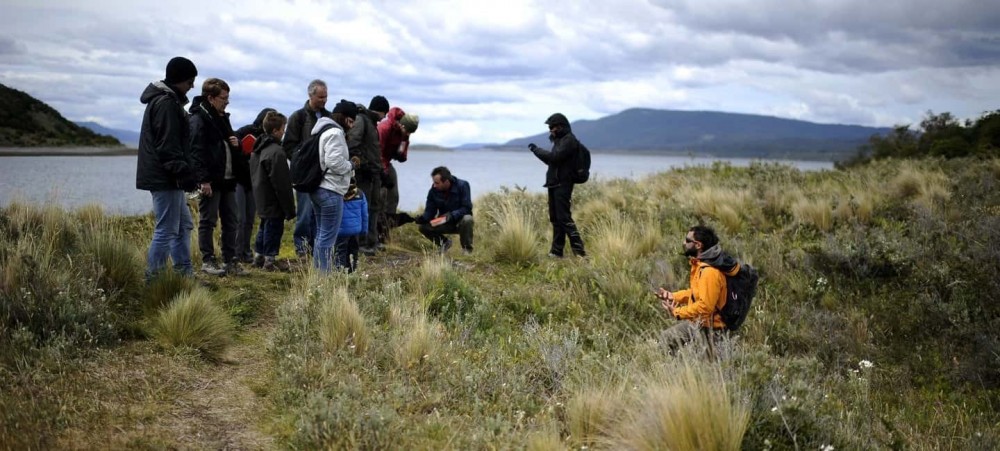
(272, 186)
(362, 141)
(299, 128)
(559, 159)
(210, 134)
(456, 202)
(164, 150)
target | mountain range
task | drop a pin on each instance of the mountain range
(129, 138)
(28, 122)
(714, 133)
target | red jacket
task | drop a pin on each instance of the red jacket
(393, 142)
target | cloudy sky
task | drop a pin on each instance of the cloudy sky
(489, 71)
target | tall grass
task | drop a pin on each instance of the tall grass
(194, 320)
(515, 239)
(591, 415)
(341, 324)
(417, 344)
(622, 239)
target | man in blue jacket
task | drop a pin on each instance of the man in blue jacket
(448, 211)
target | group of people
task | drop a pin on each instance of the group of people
(240, 174)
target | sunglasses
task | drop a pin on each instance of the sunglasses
(689, 240)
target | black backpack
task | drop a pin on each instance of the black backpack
(305, 169)
(740, 290)
(581, 165)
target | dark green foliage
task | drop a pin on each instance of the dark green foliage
(28, 122)
(942, 136)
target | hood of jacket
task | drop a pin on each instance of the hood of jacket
(259, 121)
(263, 142)
(323, 122)
(395, 114)
(159, 88)
(716, 258)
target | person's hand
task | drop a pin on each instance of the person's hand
(532, 147)
(420, 220)
(233, 141)
(355, 162)
(206, 189)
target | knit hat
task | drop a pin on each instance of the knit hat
(557, 119)
(180, 69)
(347, 108)
(410, 122)
(379, 104)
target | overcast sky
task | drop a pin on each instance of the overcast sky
(490, 71)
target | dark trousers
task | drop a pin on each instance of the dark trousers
(247, 209)
(269, 236)
(371, 184)
(463, 228)
(221, 205)
(345, 253)
(304, 234)
(560, 199)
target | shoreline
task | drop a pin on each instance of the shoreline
(69, 151)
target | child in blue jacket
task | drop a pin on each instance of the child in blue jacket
(352, 226)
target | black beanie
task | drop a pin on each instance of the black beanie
(379, 104)
(180, 69)
(346, 108)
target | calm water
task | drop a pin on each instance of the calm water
(110, 181)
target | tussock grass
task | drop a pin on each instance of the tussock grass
(341, 324)
(688, 406)
(515, 239)
(119, 264)
(164, 288)
(417, 344)
(924, 188)
(591, 415)
(194, 320)
(813, 212)
(622, 239)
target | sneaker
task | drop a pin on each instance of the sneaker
(379, 247)
(211, 267)
(234, 269)
(272, 264)
(445, 245)
(554, 255)
(467, 250)
(258, 261)
(247, 258)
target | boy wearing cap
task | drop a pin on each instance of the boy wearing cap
(163, 166)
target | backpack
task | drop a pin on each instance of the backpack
(305, 170)
(740, 290)
(581, 165)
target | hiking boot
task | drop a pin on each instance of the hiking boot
(554, 255)
(275, 265)
(467, 251)
(211, 267)
(380, 247)
(258, 261)
(445, 245)
(369, 251)
(234, 269)
(247, 258)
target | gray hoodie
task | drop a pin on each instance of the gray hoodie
(334, 156)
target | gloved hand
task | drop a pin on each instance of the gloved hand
(532, 147)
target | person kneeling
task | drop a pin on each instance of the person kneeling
(448, 211)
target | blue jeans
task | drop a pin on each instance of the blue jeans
(269, 236)
(329, 209)
(171, 234)
(304, 234)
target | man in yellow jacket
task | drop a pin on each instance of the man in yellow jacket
(698, 307)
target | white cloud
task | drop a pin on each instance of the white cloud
(487, 71)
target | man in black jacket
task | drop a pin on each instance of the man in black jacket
(298, 130)
(362, 142)
(219, 168)
(559, 181)
(448, 211)
(164, 167)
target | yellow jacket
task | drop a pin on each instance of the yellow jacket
(701, 303)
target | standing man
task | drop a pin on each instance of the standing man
(362, 140)
(219, 168)
(394, 140)
(300, 125)
(697, 308)
(245, 202)
(164, 168)
(559, 181)
(448, 211)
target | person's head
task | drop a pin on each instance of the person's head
(558, 125)
(344, 113)
(216, 92)
(409, 123)
(180, 74)
(274, 124)
(317, 94)
(441, 178)
(380, 105)
(698, 239)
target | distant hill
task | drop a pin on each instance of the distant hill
(715, 133)
(128, 137)
(28, 122)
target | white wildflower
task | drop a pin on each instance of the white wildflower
(865, 364)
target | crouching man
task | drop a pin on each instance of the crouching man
(448, 211)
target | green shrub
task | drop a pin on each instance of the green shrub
(194, 320)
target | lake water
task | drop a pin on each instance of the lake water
(110, 181)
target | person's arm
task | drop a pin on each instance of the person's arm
(465, 208)
(430, 210)
(200, 155)
(170, 148)
(281, 182)
(710, 291)
(293, 134)
(335, 155)
(565, 148)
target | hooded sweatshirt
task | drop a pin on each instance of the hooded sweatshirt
(393, 142)
(334, 156)
(164, 151)
(702, 302)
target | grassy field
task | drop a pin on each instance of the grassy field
(874, 327)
